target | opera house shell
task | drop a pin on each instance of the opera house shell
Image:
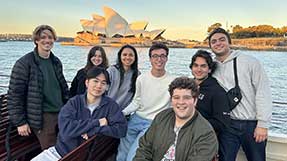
(113, 28)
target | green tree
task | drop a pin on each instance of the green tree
(214, 26)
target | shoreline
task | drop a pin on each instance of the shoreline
(191, 46)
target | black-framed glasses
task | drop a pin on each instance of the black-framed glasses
(162, 56)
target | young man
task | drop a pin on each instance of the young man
(212, 100)
(179, 133)
(38, 89)
(86, 115)
(251, 117)
(150, 98)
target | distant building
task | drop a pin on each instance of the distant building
(113, 28)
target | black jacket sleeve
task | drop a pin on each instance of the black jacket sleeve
(17, 93)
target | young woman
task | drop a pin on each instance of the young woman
(123, 76)
(96, 57)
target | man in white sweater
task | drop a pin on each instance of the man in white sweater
(251, 117)
(151, 97)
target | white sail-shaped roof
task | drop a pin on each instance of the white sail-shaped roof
(115, 24)
(156, 33)
(100, 24)
(138, 25)
(87, 25)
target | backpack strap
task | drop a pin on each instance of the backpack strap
(235, 71)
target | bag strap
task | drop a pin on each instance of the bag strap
(235, 71)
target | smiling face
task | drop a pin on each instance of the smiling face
(219, 45)
(96, 87)
(97, 59)
(183, 104)
(200, 69)
(127, 57)
(158, 59)
(45, 42)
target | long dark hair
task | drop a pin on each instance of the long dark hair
(134, 67)
(92, 52)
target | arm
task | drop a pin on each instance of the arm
(263, 98)
(74, 85)
(17, 94)
(205, 148)
(116, 123)
(220, 118)
(144, 151)
(263, 101)
(134, 105)
(70, 126)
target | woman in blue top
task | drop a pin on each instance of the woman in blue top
(96, 57)
(123, 76)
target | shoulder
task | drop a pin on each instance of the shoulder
(164, 115)
(112, 69)
(202, 124)
(144, 76)
(25, 61)
(109, 101)
(81, 71)
(27, 57)
(244, 58)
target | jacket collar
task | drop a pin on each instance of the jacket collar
(207, 82)
(37, 57)
(104, 100)
(189, 122)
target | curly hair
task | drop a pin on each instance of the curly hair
(184, 83)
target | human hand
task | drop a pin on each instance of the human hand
(103, 122)
(24, 130)
(260, 134)
(85, 136)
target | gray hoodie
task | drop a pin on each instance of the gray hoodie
(256, 103)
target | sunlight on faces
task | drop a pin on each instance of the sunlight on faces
(183, 103)
(219, 44)
(127, 57)
(46, 41)
(96, 87)
(97, 59)
(200, 69)
(158, 59)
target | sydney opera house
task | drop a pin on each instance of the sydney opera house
(114, 29)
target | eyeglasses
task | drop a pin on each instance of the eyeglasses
(162, 56)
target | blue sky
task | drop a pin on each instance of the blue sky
(181, 18)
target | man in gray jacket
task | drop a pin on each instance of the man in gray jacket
(251, 117)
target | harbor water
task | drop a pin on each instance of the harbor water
(74, 57)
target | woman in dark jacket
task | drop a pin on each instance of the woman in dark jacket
(96, 57)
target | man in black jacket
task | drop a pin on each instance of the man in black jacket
(38, 89)
(212, 100)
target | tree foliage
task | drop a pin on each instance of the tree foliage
(258, 31)
(212, 27)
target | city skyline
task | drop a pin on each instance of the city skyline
(184, 19)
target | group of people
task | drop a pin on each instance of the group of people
(155, 115)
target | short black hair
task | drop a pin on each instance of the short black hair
(219, 30)
(158, 46)
(205, 55)
(95, 71)
(184, 83)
